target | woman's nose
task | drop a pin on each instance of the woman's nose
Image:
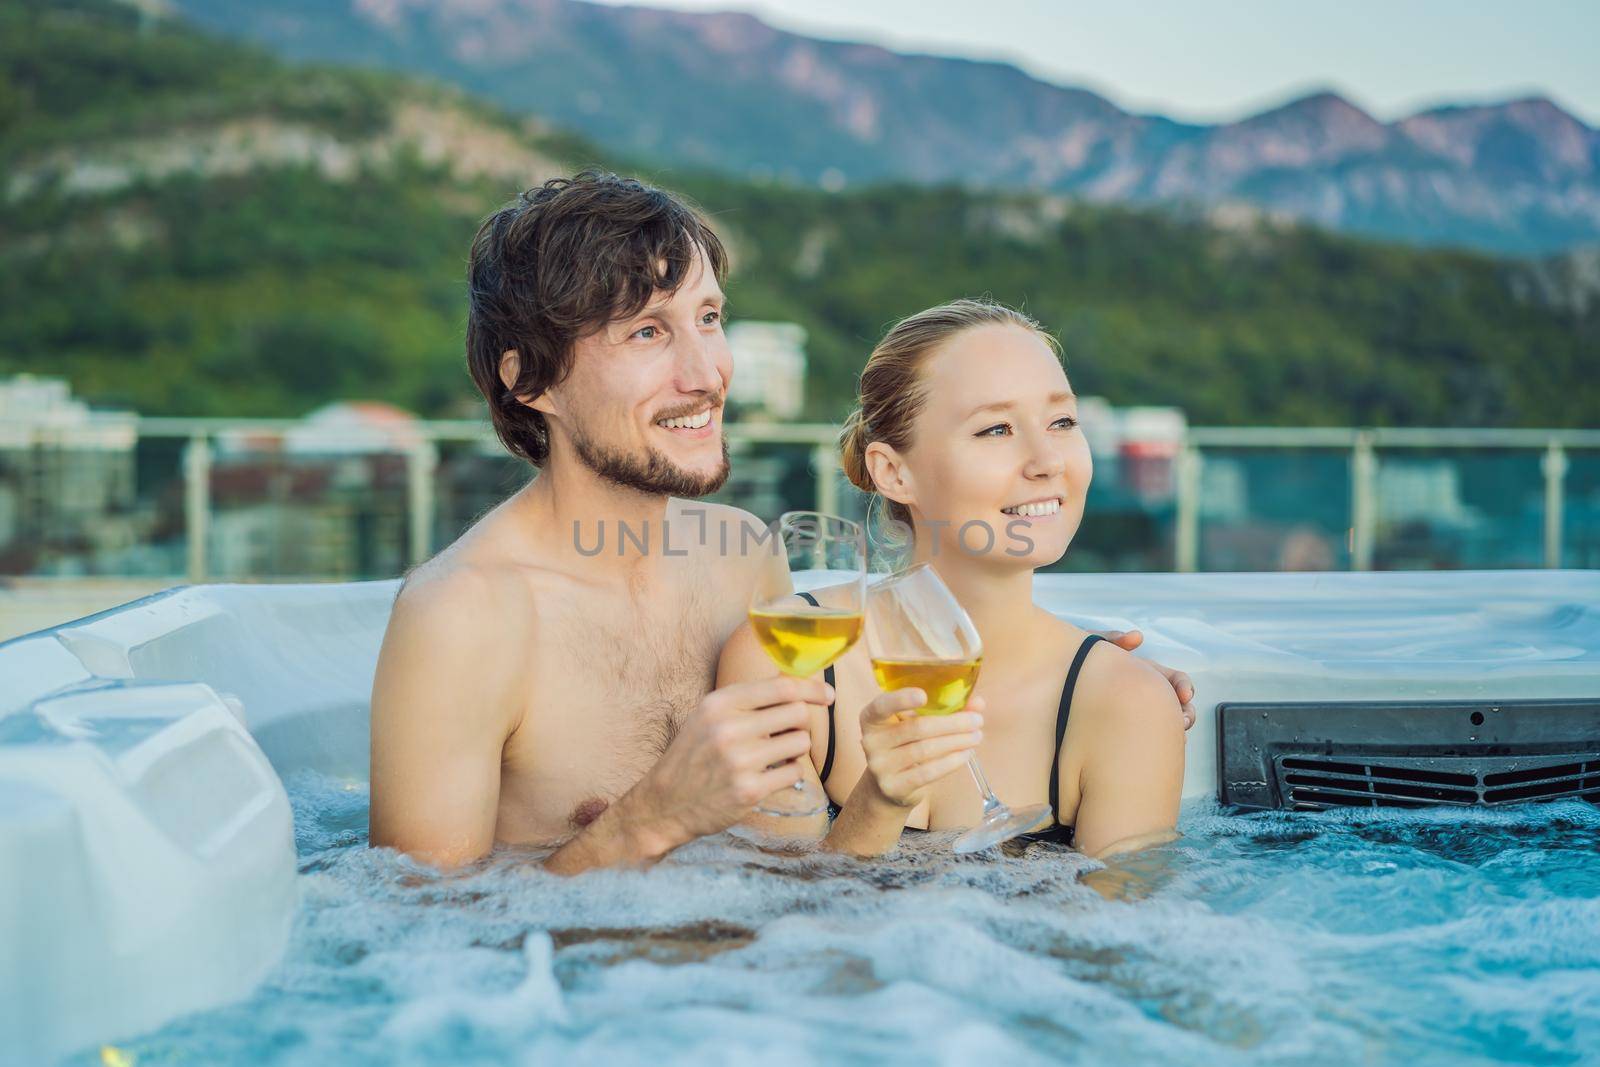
(1046, 457)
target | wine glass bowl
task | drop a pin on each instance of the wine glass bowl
(803, 638)
(919, 636)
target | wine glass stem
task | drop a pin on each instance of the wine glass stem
(990, 801)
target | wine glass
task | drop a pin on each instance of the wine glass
(803, 639)
(920, 636)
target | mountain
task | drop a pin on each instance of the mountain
(191, 226)
(727, 91)
(1530, 140)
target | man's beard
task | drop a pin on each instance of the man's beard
(653, 473)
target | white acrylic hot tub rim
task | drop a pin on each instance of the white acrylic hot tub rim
(1226, 630)
(147, 860)
(1240, 636)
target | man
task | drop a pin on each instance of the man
(533, 688)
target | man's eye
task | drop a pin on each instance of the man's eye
(988, 431)
(646, 333)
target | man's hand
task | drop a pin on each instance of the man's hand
(1132, 639)
(740, 745)
(906, 753)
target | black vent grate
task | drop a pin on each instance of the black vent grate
(1312, 755)
(1310, 782)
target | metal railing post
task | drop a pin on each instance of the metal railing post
(1555, 473)
(1186, 554)
(1363, 501)
(197, 503)
(823, 460)
(421, 462)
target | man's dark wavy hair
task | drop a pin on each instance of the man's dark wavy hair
(558, 263)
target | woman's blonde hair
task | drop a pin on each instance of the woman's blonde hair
(892, 391)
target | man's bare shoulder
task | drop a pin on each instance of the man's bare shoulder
(457, 593)
(720, 528)
(456, 642)
(717, 513)
(453, 579)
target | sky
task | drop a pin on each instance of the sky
(1222, 60)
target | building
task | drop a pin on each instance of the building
(67, 479)
(769, 360)
(1135, 449)
(326, 497)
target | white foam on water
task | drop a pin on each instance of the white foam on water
(449, 1003)
(1410, 938)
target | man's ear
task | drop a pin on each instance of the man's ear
(510, 367)
(889, 473)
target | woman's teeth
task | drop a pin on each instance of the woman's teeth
(1044, 507)
(687, 422)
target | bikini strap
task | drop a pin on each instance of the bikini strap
(827, 676)
(1061, 722)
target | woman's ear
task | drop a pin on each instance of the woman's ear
(510, 368)
(889, 473)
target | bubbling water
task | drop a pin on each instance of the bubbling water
(1374, 937)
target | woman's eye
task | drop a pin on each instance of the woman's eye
(709, 317)
(646, 333)
(989, 431)
(1066, 420)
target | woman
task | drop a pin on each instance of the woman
(967, 424)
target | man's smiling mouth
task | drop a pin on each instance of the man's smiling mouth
(697, 421)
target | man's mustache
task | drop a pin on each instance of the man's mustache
(688, 409)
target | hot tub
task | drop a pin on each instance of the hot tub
(147, 852)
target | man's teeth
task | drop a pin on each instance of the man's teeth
(687, 422)
(1044, 507)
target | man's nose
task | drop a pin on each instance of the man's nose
(698, 370)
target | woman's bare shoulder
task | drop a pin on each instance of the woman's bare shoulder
(1114, 684)
(1120, 690)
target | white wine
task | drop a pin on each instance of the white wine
(947, 682)
(803, 642)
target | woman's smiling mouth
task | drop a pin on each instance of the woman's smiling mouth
(1034, 509)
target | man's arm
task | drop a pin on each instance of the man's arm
(629, 833)
(443, 705)
(743, 742)
(744, 660)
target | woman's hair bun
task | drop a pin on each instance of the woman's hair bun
(853, 451)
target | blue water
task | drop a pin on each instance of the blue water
(1449, 937)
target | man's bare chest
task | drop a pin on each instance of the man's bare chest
(605, 696)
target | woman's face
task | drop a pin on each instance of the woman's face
(996, 453)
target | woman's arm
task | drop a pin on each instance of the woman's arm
(904, 757)
(906, 753)
(1132, 778)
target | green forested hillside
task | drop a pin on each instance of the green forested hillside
(191, 227)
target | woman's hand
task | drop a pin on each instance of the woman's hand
(1128, 640)
(907, 752)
